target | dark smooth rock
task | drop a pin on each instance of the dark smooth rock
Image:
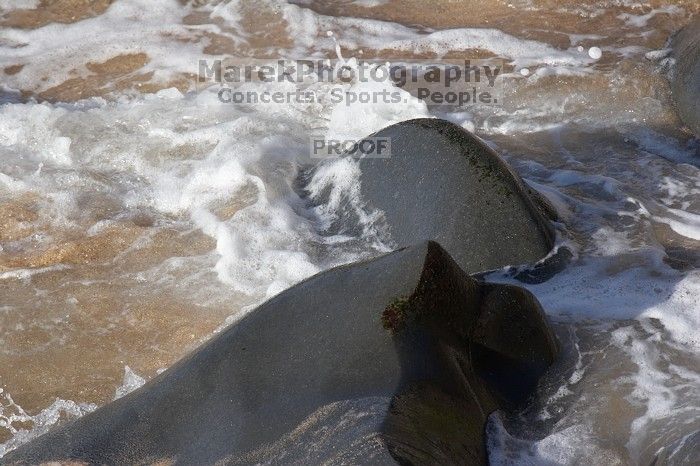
(397, 359)
(444, 184)
(686, 75)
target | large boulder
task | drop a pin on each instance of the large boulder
(397, 359)
(685, 82)
(442, 183)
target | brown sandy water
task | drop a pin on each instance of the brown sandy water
(128, 236)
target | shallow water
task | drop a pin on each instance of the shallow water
(138, 214)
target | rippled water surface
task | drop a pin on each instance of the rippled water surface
(138, 214)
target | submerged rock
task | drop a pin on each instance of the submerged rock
(397, 359)
(442, 183)
(686, 75)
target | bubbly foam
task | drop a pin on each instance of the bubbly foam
(126, 27)
(131, 382)
(12, 415)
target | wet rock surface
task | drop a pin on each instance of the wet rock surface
(432, 349)
(442, 183)
(686, 75)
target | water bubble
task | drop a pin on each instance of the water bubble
(595, 53)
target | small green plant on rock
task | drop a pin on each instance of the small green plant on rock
(394, 314)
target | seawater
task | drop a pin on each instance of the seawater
(139, 215)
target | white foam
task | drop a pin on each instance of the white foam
(305, 26)
(567, 446)
(49, 53)
(264, 246)
(686, 223)
(8, 5)
(131, 382)
(27, 274)
(11, 414)
(30, 131)
(369, 3)
(640, 21)
(357, 120)
(659, 399)
(576, 39)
